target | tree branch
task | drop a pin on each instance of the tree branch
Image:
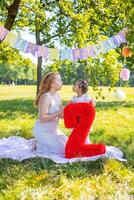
(12, 13)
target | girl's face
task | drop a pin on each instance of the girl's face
(76, 88)
(57, 82)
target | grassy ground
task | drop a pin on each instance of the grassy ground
(41, 179)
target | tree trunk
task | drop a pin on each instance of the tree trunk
(12, 13)
(39, 62)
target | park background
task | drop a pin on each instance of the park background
(68, 24)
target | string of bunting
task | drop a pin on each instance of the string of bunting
(53, 53)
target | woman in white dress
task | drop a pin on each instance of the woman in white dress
(50, 141)
(49, 138)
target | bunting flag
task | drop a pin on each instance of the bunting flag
(31, 48)
(91, 51)
(42, 52)
(81, 54)
(109, 44)
(99, 48)
(21, 44)
(3, 32)
(119, 38)
(106, 45)
(94, 50)
(53, 54)
(10, 39)
(66, 54)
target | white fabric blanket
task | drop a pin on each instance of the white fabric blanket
(18, 148)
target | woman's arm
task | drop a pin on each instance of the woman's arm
(44, 104)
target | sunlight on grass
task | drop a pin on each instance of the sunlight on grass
(42, 179)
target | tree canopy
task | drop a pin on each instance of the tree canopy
(73, 23)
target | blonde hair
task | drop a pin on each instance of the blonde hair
(45, 85)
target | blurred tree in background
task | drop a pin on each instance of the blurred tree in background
(73, 24)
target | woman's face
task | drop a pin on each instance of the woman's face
(57, 82)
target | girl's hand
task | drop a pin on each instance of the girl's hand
(60, 112)
(61, 116)
(92, 101)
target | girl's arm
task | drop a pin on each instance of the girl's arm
(93, 102)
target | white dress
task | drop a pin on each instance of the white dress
(84, 98)
(49, 138)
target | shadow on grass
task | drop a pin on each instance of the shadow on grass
(113, 104)
(10, 108)
(100, 105)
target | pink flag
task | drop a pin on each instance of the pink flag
(42, 51)
(3, 32)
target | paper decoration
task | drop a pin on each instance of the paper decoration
(42, 52)
(53, 54)
(119, 38)
(106, 45)
(99, 48)
(122, 37)
(80, 53)
(91, 51)
(21, 44)
(3, 32)
(71, 54)
(66, 54)
(10, 39)
(125, 74)
(126, 52)
(111, 42)
(31, 48)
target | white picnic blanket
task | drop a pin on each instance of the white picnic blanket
(19, 148)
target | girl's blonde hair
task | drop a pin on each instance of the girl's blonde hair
(45, 85)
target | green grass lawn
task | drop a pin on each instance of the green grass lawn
(41, 179)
